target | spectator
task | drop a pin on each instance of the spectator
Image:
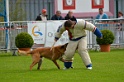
(57, 16)
(43, 16)
(120, 15)
(118, 29)
(101, 14)
(70, 16)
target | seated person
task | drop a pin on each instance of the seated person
(57, 16)
(43, 16)
(70, 16)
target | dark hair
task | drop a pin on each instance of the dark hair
(58, 11)
(68, 23)
(120, 13)
(101, 9)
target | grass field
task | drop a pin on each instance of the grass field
(107, 67)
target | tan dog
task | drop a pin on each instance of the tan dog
(38, 53)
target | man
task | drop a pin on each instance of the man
(78, 40)
(43, 16)
(57, 16)
(70, 16)
(101, 14)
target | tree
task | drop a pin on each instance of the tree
(17, 14)
(1, 10)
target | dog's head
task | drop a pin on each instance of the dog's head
(64, 46)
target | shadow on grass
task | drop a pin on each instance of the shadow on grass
(17, 71)
(6, 54)
(55, 69)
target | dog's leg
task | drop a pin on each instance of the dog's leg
(33, 63)
(36, 59)
(39, 64)
(55, 62)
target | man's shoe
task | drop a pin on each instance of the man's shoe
(89, 68)
(67, 68)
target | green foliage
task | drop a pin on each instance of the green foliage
(24, 40)
(2, 6)
(2, 10)
(1, 19)
(17, 14)
(108, 37)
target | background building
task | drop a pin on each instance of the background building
(27, 10)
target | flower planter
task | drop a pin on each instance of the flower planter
(25, 49)
(106, 40)
(105, 48)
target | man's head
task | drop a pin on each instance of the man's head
(44, 11)
(58, 13)
(68, 24)
(120, 14)
(100, 10)
(70, 13)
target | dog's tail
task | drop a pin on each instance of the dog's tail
(24, 52)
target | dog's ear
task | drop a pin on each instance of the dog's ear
(62, 46)
(65, 45)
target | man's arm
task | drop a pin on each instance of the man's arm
(97, 17)
(89, 26)
(98, 33)
(38, 18)
(105, 16)
(60, 30)
(53, 17)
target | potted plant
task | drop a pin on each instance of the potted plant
(24, 41)
(107, 39)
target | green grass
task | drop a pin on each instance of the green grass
(107, 67)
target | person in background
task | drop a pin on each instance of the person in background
(102, 15)
(118, 29)
(43, 16)
(70, 16)
(57, 16)
(120, 15)
(78, 41)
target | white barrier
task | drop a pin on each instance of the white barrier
(44, 32)
(37, 31)
(52, 27)
(48, 28)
